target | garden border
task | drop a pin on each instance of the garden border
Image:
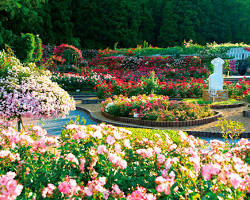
(164, 123)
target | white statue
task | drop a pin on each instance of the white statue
(216, 79)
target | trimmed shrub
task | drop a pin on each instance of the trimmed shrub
(28, 47)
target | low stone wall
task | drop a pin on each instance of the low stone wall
(222, 96)
(164, 123)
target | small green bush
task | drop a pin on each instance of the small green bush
(38, 51)
(153, 134)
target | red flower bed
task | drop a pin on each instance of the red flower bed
(177, 89)
(163, 67)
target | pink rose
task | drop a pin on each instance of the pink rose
(83, 161)
(161, 158)
(110, 140)
(101, 149)
(235, 180)
(64, 187)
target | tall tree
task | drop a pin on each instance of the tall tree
(169, 30)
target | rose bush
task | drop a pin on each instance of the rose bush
(171, 88)
(106, 162)
(238, 90)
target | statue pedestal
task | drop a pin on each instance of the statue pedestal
(222, 95)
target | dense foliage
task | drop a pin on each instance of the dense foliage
(98, 24)
(28, 47)
(106, 162)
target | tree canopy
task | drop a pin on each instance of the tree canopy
(101, 23)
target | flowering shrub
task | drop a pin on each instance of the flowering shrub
(178, 89)
(10, 188)
(154, 107)
(63, 58)
(26, 91)
(108, 52)
(112, 63)
(132, 63)
(186, 88)
(230, 67)
(59, 51)
(106, 162)
(124, 67)
(238, 90)
(83, 81)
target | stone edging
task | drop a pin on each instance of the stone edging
(164, 123)
(227, 106)
(246, 113)
(213, 135)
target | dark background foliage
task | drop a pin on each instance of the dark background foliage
(101, 23)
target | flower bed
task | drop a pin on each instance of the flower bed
(108, 85)
(72, 82)
(133, 68)
(105, 162)
(155, 108)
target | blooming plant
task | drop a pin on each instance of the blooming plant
(238, 90)
(230, 67)
(106, 162)
(132, 63)
(230, 129)
(69, 58)
(83, 81)
(177, 89)
(154, 107)
(26, 91)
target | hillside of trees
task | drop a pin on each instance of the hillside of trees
(101, 23)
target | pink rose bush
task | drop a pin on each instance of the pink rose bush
(9, 187)
(106, 162)
(26, 91)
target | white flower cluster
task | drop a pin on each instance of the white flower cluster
(26, 91)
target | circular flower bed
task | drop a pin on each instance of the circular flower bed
(156, 109)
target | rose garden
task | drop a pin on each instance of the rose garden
(103, 161)
(124, 100)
